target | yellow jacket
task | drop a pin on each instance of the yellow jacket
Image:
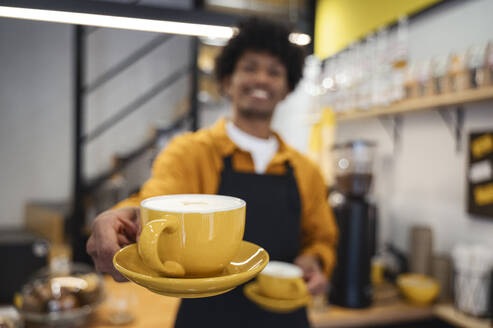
(192, 163)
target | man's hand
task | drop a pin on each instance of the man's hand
(316, 281)
(112, 230)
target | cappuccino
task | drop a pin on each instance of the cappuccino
(282, 270)
(282, 280)
(193, 203)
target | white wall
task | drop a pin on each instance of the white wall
(423, 181)
(36, 104)
(35, 114)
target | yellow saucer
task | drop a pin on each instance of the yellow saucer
(252, 292)
(247, 263)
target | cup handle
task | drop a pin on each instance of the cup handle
(148, 246)
(299, 286)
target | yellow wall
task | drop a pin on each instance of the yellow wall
(340, 22)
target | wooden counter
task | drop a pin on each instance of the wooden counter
(448, 313)
(155, 311)
(397, 312)
(150, 310)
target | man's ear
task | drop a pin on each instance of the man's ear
(225, 86)
(286, 93)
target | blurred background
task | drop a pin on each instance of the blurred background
(395, 106)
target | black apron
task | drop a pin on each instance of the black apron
(273, 222)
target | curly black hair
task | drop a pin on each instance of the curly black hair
(260, 34)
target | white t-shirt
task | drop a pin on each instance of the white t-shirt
(262, 150)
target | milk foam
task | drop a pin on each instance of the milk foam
(282, 270)
(193, 203)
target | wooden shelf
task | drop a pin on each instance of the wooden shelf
(448, 313)
(421, 104)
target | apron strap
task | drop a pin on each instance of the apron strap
(228, 163)
(294, 194)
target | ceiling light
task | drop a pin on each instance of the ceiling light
(300, 39)
(130, 23)
(139, 18)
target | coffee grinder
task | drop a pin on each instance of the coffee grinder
(356, 218)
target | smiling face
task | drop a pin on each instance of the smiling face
(258, 83)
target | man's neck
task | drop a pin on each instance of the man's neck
(257, 127)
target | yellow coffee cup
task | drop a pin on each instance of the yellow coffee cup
(192, 235)
(282, 280)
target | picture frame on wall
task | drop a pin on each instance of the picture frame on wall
(480, 174)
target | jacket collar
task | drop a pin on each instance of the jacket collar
(227, 147)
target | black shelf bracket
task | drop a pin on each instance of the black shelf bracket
(392, 124)
(77, 218)
(454, 119)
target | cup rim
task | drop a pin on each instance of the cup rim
(240, 203)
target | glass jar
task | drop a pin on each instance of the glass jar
(353, 167)
(64, 298)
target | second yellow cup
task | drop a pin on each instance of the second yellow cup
(282, 280)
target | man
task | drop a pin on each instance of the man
(287, 214)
